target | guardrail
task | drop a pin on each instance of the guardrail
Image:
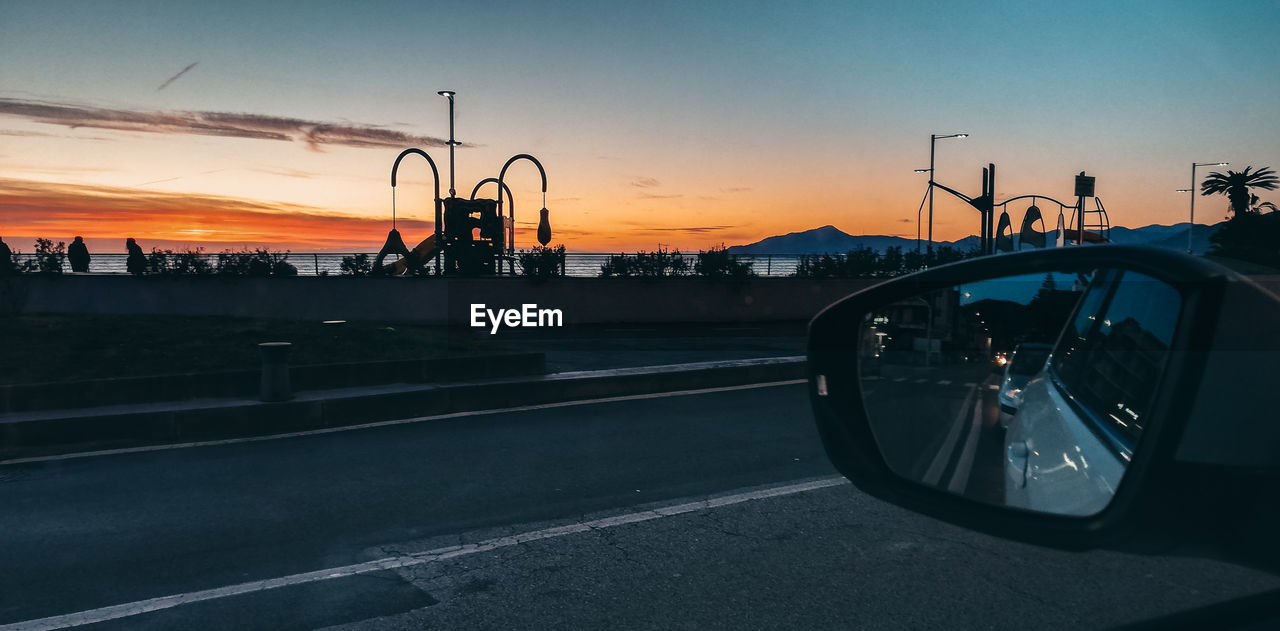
(577, 264)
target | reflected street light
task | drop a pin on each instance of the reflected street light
(933, 138)
(1192, 190)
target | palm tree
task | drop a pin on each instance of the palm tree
(1237, 187)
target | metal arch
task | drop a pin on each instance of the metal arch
(1035, 197)
(502, 185)
(435, 175)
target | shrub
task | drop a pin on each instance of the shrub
(656, 264)
(49, 257)
(259, 263)
(356, 265)
(171, 263)
(542, 262)
(718, 263)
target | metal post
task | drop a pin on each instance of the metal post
(1192, 226)
(933, 139)
(448, 94)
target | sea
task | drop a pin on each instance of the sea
(577, 264)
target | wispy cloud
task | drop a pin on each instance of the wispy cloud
(657, 196)
(645, 182)
(736, 189)
(35, 208)
(316, 134)
(691, 229)
(175, 77)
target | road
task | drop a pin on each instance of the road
(576, 516)
(940, 425)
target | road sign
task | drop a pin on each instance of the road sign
(1084, 185)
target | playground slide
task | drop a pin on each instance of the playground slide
(416, 258)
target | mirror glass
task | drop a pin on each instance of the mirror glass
(1024, 391)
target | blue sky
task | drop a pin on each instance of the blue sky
(731, 121)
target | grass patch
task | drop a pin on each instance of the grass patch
(44, 348)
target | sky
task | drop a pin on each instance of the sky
(678, 125)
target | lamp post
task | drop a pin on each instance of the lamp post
(928, 192)
(449, 94)
(933, 138)
(1192, 190)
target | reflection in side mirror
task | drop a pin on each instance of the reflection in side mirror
(1026, 391)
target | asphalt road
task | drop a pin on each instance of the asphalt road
(567, 512)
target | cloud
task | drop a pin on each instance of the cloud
(736, 189)
(29, 207)
(175, 77)
(316, 134)
(691, 229)
(906, 221)
(656, 196)
(645, 182)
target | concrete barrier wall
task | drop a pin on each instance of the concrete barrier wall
(427, 300)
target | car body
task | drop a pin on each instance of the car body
(1027, 360)
(1076, 423)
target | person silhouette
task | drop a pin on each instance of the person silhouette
(137, 261)
(78, 254)
(6, 259)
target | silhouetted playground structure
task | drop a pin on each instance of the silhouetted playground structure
(1085, 225)
(473, 237)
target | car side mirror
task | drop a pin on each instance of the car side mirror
(1055, 397)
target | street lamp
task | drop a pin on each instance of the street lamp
(933, 138)
(928, 191)
(1192, 190)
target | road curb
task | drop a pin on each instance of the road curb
(78, 430)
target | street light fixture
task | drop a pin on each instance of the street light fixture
(1191, 226)
(933, 138)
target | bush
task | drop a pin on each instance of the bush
(259, 263)
(656, 264)
(718, 263)
(170, 263)
(49, 257)
(867, 263)
(542, 262)
(356, 265)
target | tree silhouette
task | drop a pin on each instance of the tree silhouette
(1238, 187)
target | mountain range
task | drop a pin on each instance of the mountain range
(832, 240)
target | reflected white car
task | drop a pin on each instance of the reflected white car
(1027, 361)
(1053, 462)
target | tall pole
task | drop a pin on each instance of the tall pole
(448, 94)
(1192, 225)
(933, 138)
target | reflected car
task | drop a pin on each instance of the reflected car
(1081, 415)
(1027, 360)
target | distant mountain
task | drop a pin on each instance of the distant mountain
(831, 240)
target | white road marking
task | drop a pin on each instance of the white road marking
(960, 478)
(900, 380)
(115, 612)
(404, 421)
(944, 382)
(920, 381)
(934, 473)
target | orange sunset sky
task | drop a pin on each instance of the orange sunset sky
(238, 125)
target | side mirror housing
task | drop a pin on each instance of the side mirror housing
(1162, 371)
